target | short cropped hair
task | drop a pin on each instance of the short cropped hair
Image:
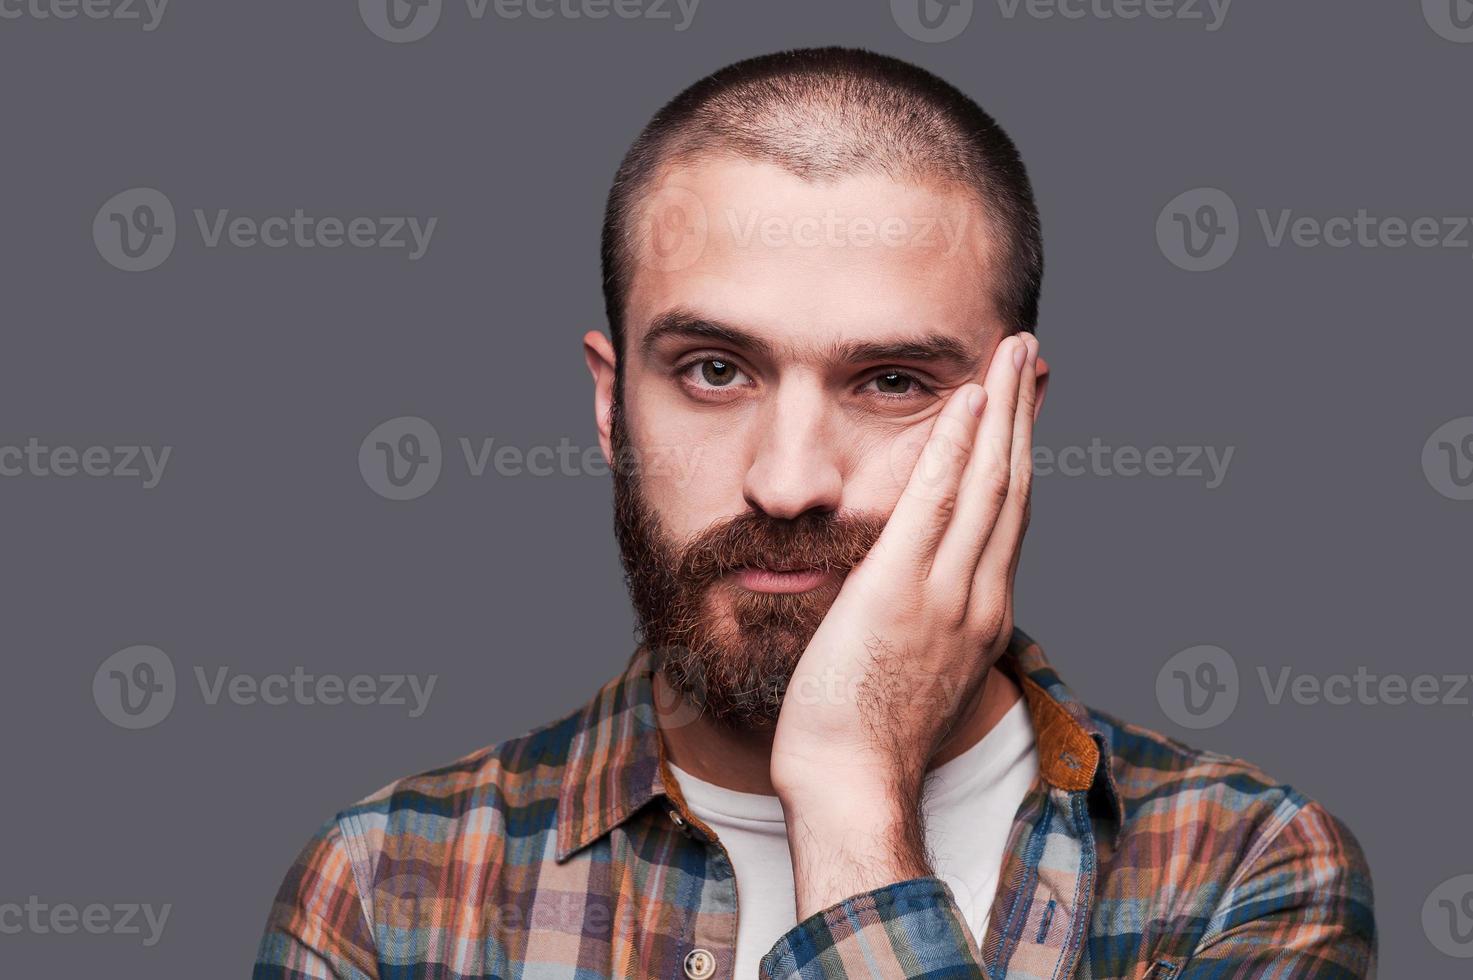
(823, 114)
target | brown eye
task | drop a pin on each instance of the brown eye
(894, 383)
(718, 373)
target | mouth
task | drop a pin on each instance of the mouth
(795, 579)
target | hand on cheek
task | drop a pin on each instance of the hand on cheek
(909, 639)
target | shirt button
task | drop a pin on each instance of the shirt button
(699, 964)
(677, 819)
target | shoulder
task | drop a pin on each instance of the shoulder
(371, 876)
(1225, 840)
(438, 823)
(1164, 783)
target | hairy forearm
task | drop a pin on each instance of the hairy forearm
(845, 841)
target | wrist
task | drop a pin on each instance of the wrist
(822, 785)
(844, 845)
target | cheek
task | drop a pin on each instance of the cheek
(882, 467)
(691, 466)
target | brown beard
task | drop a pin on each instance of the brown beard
(728, 651)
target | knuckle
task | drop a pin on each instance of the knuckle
(997, 485)
(948, 605)
(988, 619)
(945, 501)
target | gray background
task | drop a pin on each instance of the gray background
(263, 549)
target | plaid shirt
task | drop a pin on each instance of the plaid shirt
(569, 852)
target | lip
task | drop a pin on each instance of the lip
(800, 580)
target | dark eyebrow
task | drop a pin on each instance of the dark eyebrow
(683, 323)
(937, 348)
(928, 347)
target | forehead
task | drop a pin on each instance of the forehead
(863, 257)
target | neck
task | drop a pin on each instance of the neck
(740, 759)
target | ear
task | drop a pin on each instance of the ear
(1040, 372)
(600, 357)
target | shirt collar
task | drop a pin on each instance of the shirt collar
(616, 763)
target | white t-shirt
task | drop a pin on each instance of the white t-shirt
(969, 802)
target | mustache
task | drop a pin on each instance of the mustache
(812, 541)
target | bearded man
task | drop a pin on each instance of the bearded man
(832, 754)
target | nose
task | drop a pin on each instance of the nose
(795, 457)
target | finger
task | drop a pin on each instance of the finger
(999, 563)
(984, 484)
(924, 509)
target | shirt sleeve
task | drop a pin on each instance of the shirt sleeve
(1301, 908)
(317, 929)
(911, 928)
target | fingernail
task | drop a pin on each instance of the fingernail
(974, 401)
(1020, 354)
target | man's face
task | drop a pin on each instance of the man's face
(787, 347)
